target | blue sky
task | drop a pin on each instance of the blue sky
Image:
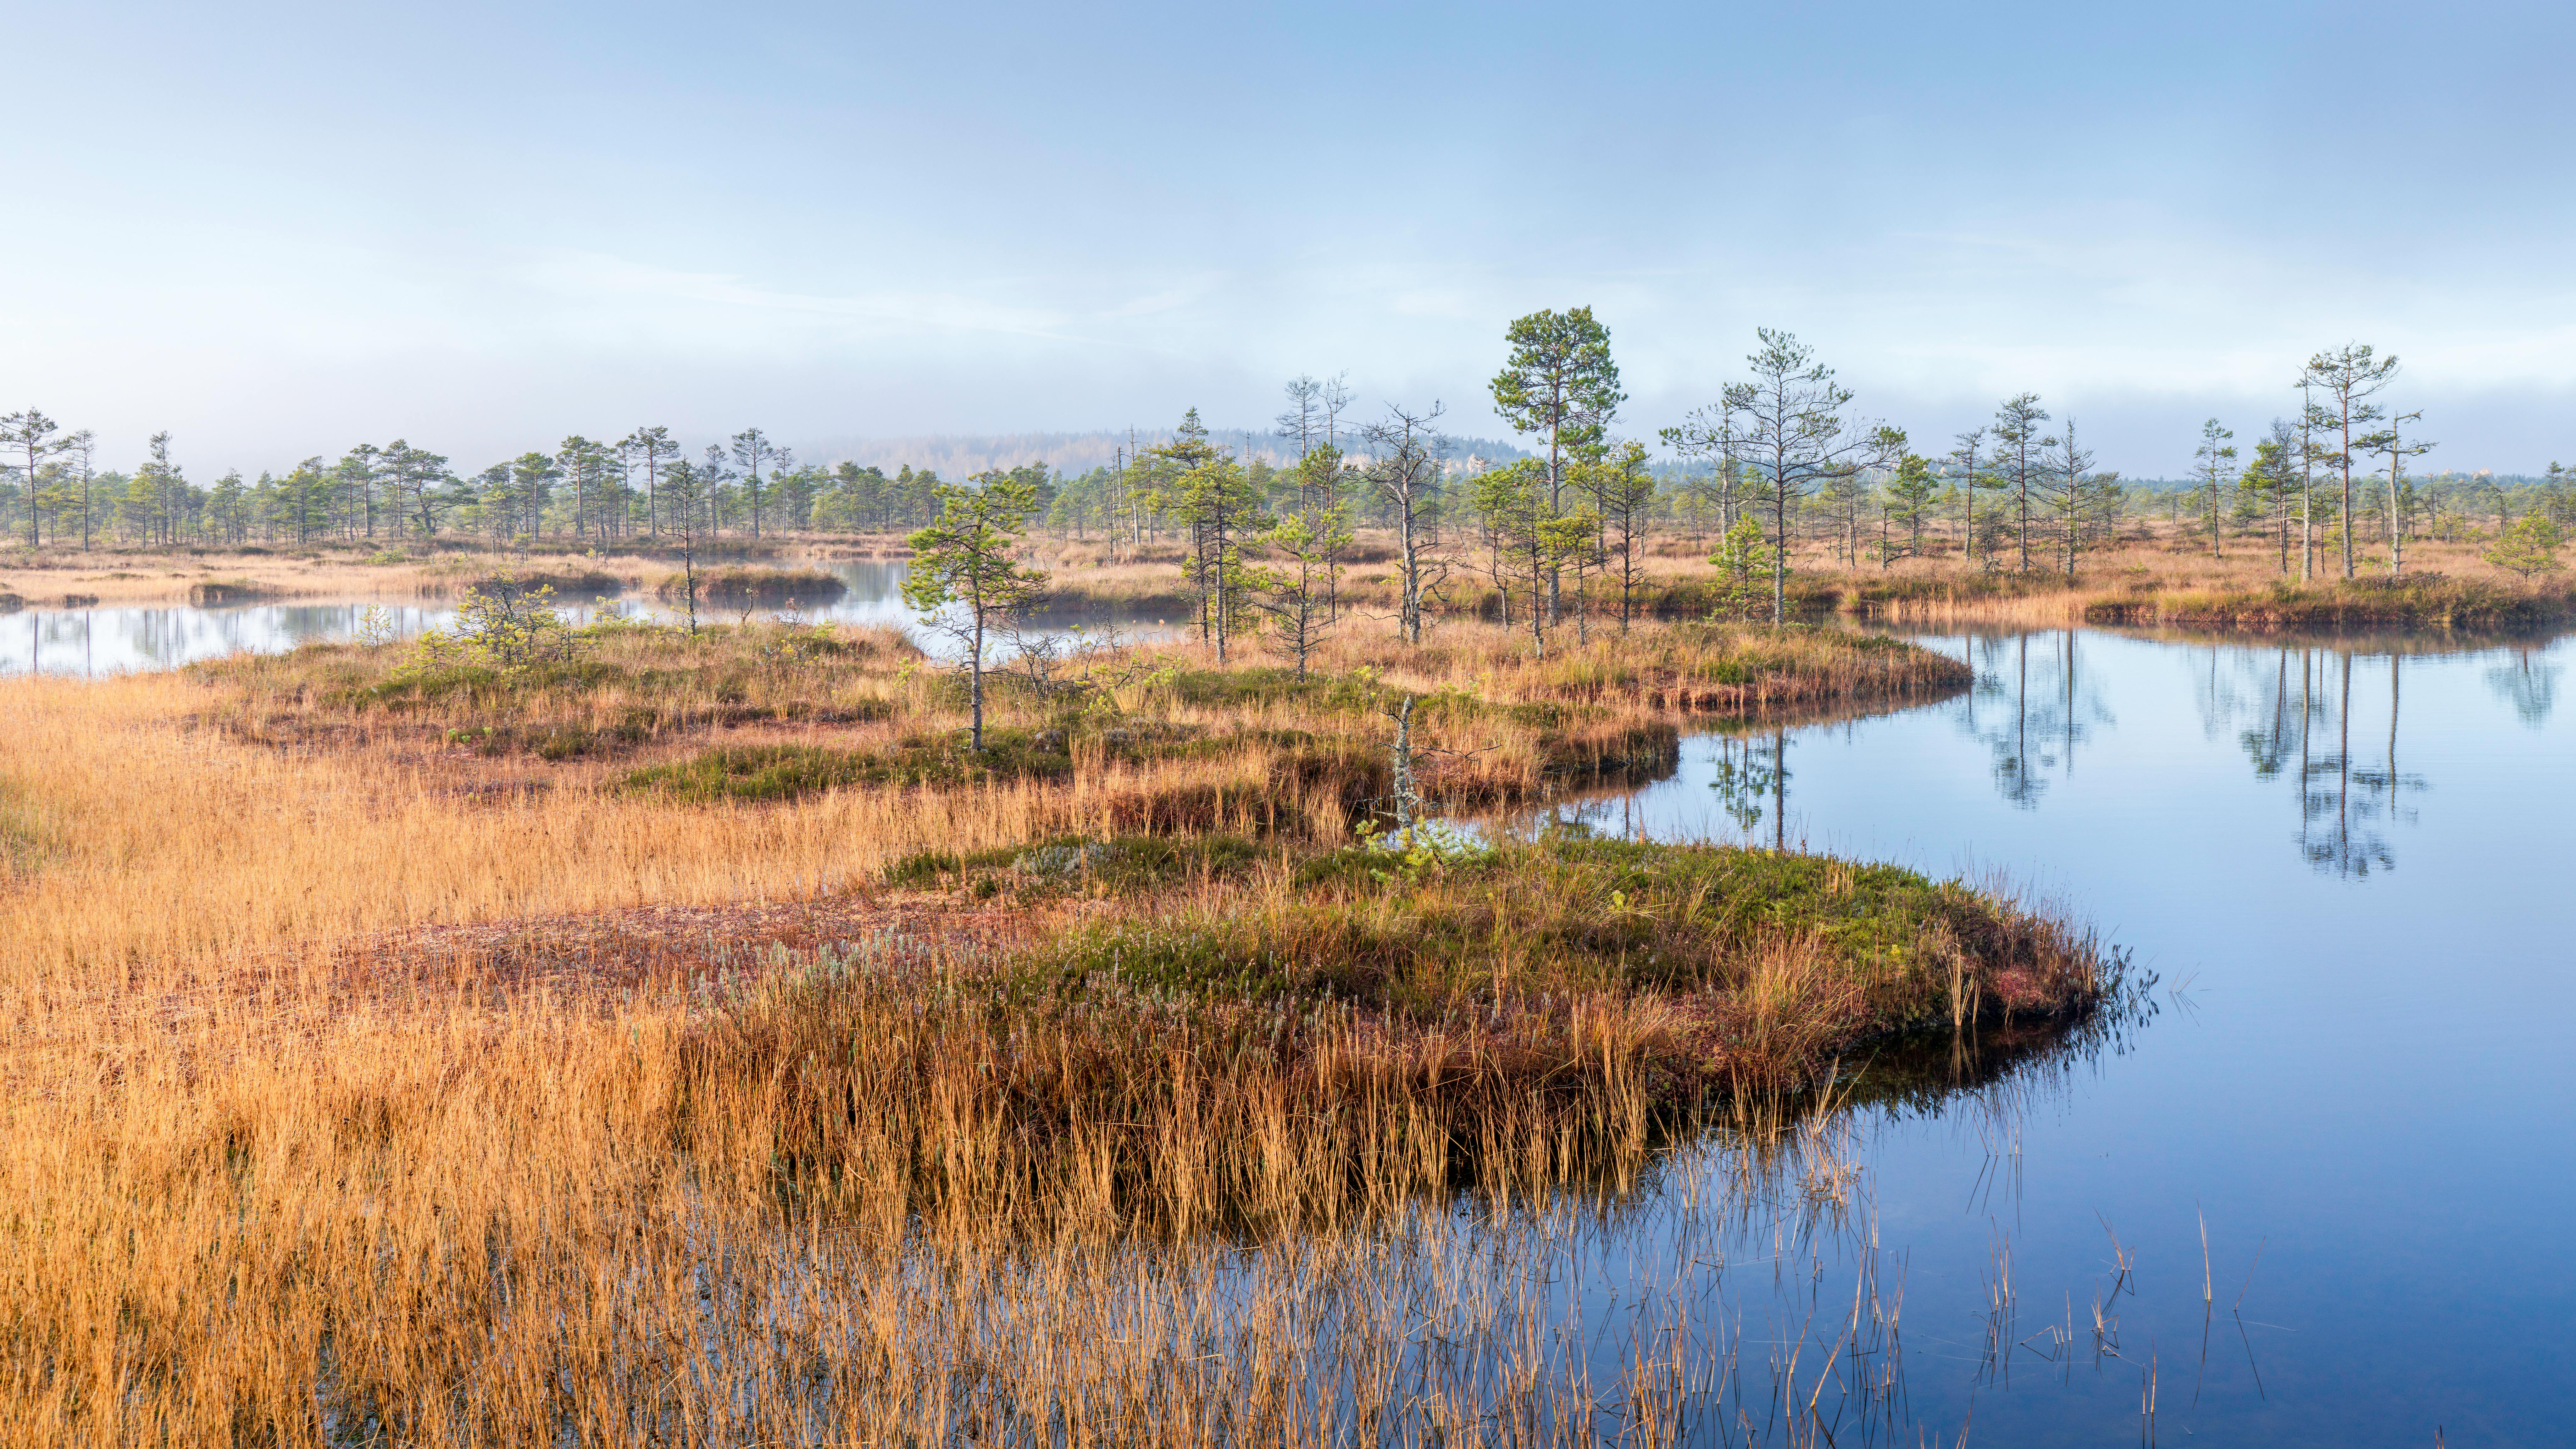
(283, 229)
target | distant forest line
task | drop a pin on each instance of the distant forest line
(1782, 454)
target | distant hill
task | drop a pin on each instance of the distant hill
(960, 455)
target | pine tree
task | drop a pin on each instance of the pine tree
(1967, 469)
(1788, 427)
(1743, 566)
(1559, 381)
(2214, 464)
(2390, 443)
(532, 479)
(964, 579)
(1622, 493)
(2020, 457)
(2348, 377)
(1908, 504)
(2071, 489)
(29, 435)
(1208, 492)
(1532, 540)
(2529, 545)
(1294, 594)
(1405, 477)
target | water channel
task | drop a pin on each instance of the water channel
(2336, 1159)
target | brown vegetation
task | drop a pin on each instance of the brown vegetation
(376, 1073)
(2156, 574)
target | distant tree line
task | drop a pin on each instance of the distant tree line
(584, 492)
(1777, 463)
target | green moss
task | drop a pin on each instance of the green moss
(788, 772)
(1419, 937)
(1125, 863)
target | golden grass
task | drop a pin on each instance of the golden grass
(168, 576)
(1163, 733)
(2157, 573)
(154, 847)
(273, 1175)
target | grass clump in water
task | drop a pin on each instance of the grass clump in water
(1738, 966)
(738, 587)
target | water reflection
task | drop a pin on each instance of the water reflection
(2527, 684)
(95, 641)
(2323, 724)
(2233, 810)
(1750, 784)
(103, 640)
(2035, 712)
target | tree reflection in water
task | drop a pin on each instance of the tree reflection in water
(2530, 686)
(2031, 707)
(2324, 716)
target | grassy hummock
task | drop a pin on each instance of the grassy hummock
(738, 586)
(2420, 600)
(1247, 1033)
(1754, 967)
(773, 713)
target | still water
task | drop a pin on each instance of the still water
(119, 639)
(2337, 1156)
(2348, 865)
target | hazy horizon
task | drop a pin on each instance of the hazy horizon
(285, 229)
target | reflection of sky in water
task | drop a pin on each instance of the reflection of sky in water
(2350, 868)
(112, 639)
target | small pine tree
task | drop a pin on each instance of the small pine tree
(1295, 596)
(1909, 501)
(1532, 541)
(2529, 545)
(963, 578)
(1743, 565)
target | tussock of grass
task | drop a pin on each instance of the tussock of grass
(790, 772)
(2420, 599)
(229, 591)
(1293, 768)
(570, 585)
(737, 586)
(1763, 965)
(1158, 740)
(625, 685)
(1122, 864)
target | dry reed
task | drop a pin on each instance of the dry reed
(269, 1183)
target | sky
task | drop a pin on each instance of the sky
(278, 230)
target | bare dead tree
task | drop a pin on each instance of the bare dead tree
(1406, 472)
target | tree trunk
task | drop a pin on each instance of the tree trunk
(975, 681)
(1780, 550)
(2347, 490)
(2396, 542)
